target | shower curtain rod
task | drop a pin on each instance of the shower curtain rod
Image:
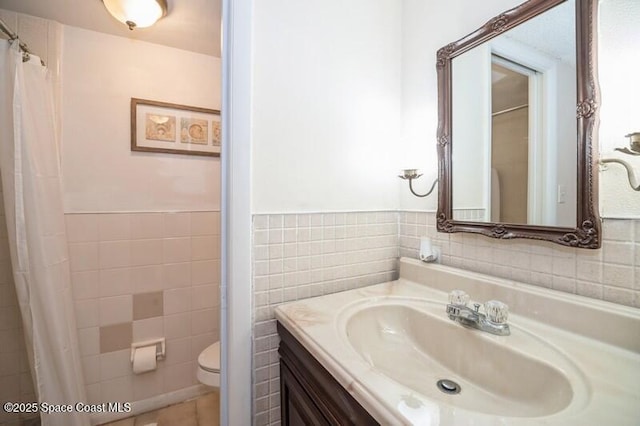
(13, 36)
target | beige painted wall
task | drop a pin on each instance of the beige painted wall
(101, 73)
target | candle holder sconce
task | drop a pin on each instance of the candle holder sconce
(410, 175)
(634, 150)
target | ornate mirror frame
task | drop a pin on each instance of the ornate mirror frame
(587, 233)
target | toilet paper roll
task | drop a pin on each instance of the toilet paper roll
(144, 359)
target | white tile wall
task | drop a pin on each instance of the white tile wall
(611, 273)
(148, 328)
(306, 255)
(468, 214)
(116, 255)
(295, 256)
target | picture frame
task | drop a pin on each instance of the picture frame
(174, 129)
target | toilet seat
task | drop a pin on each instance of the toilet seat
(209, 365)
(209, 359)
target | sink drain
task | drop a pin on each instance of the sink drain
(448, 386)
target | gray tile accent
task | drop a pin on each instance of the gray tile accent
(116, 337)
(148, 305)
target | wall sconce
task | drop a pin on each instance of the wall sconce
(634, 144)
(411, 174)
(137, 13)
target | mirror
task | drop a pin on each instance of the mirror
(515, 158)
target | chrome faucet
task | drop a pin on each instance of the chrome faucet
(493, 321)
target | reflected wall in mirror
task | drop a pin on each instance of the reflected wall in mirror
(516, 160)
(619, 78)
(516, 138)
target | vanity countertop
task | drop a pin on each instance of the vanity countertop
(598, 344)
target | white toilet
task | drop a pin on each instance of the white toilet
(209, 365)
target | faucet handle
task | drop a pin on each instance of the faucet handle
(497, 312)
(458, 297)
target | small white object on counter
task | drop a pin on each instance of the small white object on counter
(428, 253)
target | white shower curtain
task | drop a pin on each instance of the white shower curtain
(31, 184)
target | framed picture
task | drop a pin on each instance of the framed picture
(175, 129)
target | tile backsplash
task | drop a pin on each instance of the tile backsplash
(296, 256)
(611, 273)
(138, 276)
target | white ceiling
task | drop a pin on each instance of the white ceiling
(190, 24)
(552, 32)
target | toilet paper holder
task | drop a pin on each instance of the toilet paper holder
(160, 344)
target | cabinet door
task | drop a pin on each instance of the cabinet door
(309, 394)
(297, 408)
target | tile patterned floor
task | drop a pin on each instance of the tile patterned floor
(203, 411)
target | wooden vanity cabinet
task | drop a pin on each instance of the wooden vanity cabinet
(309, 395)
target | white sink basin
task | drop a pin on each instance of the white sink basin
(568, 361)
(415, 344)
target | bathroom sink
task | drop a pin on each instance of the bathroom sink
(568, 360)
(416, 345)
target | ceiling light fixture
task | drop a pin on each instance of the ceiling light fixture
(137, 13)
